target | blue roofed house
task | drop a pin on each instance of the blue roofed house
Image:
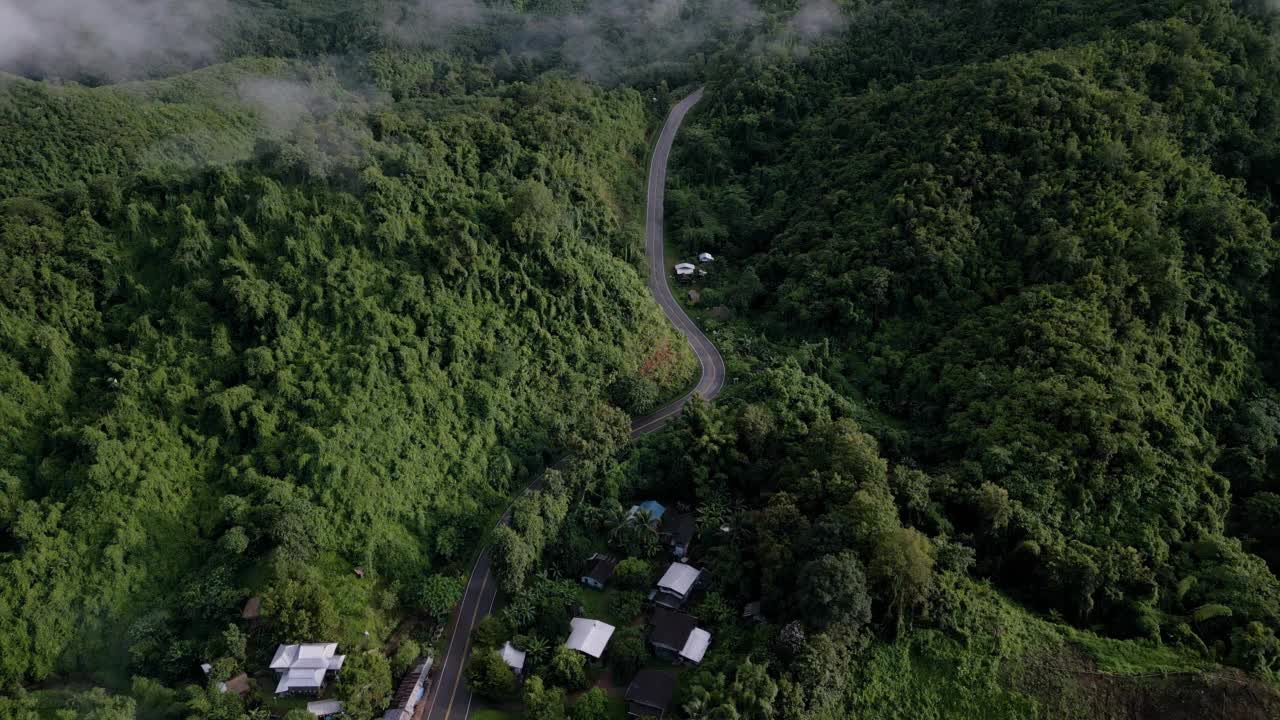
(652, 509)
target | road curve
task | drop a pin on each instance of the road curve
(450, 698)
(712, 377)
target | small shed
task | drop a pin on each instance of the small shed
(694, 297)
(514, 658)
(705, 257)
(325, 708)
(252, 608)
(677, 531)
(599, 570)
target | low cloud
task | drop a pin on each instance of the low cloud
(106, 39)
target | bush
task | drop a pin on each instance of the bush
(624, 606)
(490, 677)
(627, 653)
(406, 654)
(593, 705)
(632, 574)
(568, 669)
(489, 632)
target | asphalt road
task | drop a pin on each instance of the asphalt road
(450, 697)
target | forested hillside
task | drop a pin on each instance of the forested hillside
(1038, 240)
(344, 349)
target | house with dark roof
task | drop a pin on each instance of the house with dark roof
(650, 693)
(677, 532)
(599, 570)
(676, 636)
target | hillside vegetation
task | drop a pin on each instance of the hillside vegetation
(345, 349)
(1037, 242)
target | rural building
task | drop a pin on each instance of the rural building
(653, 509)
(705, 257)
(589, 637)
(676, 584)
(325, 708)
(650, 693)
(754, 612)
(599, 570)
(238, 684)
(252, 608)
(676, 636)
(514, 658)
(684, 271)
(303, 668)
(677, 532)
(412, 688)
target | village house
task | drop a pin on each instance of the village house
(675, 586)
(589, 637)
(684, 271)
(650, 693)
(676, 636)
(304, 668)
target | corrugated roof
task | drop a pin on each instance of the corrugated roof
(652, 688)
(589, 636)
(679, 578)
(671, 629)
(696, 646)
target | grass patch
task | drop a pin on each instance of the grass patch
(1133, 657)
(595, 603)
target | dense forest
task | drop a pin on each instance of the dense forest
(296, 296)
(1036, 244)
(261, 326)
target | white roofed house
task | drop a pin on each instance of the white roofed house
(305, 667)
(589, 637)
(685, 271)
(677, 582)
(705, 257)
(514, 658)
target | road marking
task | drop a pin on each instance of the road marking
(484, 580)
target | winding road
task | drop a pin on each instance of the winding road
(450, 698)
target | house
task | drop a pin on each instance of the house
(238, 684)
(684, 271)
(304, 668)
(652, 509)
(677, 532)
(705, 257)
(325, 708)
(514, 658)
(412, 688)
(676, 584)
(589, 637)
(676, 636)
(252, 608)
(599, 571)
(650, 693)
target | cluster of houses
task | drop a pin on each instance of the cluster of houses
(687, 270)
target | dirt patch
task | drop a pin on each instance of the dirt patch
(1068, 684)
